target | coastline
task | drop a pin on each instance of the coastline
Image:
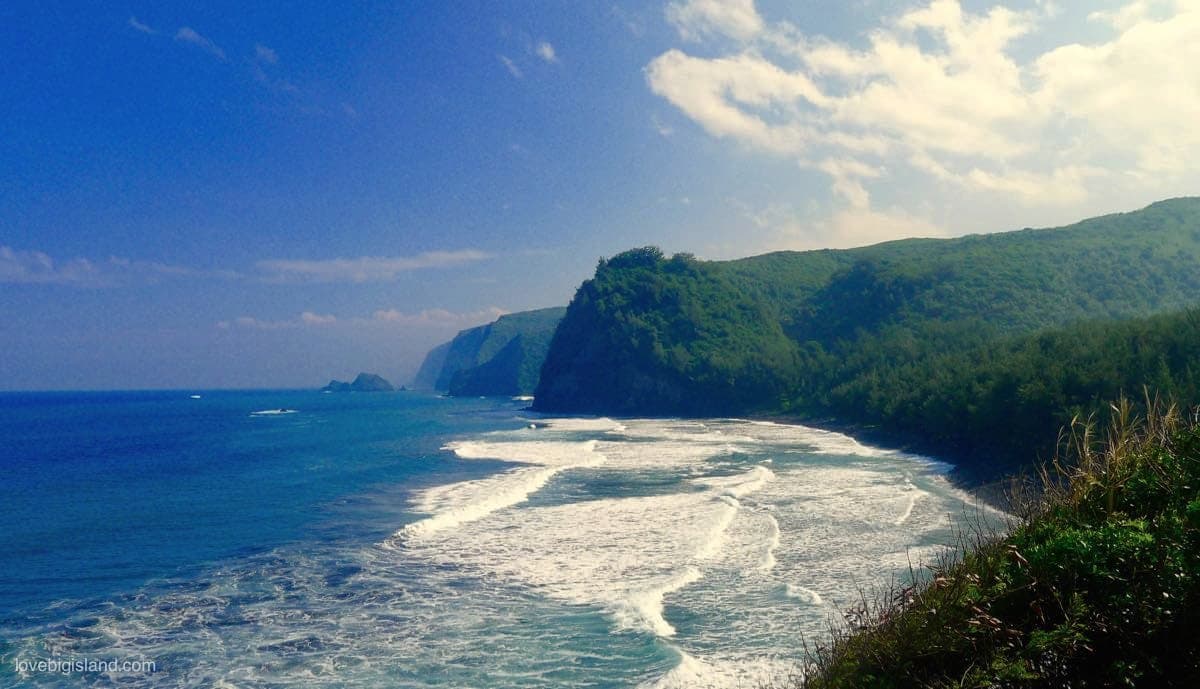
(987, 484)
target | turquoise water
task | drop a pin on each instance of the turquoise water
(403, 540)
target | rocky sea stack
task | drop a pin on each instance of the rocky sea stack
(364, 382)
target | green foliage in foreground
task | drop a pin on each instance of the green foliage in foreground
(1098, 586)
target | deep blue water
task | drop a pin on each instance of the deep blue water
(406, 540)
(104, 491)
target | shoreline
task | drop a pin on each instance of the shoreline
(966, 473)
(989, 486)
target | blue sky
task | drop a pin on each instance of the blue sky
(245, 195)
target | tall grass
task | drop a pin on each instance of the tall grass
(1096, 585)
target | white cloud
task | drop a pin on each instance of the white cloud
(847, 175)
(363, 269)
(1133, 13)
(844, 227)
(265, 54)
(511, 66)
(722, 95)
(310, 318)
(633, 21)
(428, 318)
(264, 59)
(1063, 185)
(438, 317)
(661, 127)
(1137, 96)
(35, 267)
(191, 36)
(151, 271)
(862, 225)
(139, 26)
(546, 51)
(939, 93)
(695, 19)
(251, 323)
(306, 319)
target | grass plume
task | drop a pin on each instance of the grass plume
(1096, 585)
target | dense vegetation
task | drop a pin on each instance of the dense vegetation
(503, 357)
(1098, 586)
(652, 335)
(979, 347)
(1003, 400)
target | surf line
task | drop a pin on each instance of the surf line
(456, 504)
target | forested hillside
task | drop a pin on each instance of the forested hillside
(1001, 403)
(503, 357)
(923, 337)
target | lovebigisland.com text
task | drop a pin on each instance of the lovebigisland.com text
(83, 666)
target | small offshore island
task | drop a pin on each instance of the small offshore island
(364, 382)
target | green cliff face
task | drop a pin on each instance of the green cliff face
(650, 335)
(500, 358)
(431, 368)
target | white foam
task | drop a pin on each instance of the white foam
(626, 554)
(825, 442)
(709, 673)
(644, 608)
(768, 561)
(659, 456)
(455, 504)
(687, 431)
(622, 554)
(541, 452)
(805, 594)
(739, 485)
(459, 503)
(712, 546)
(912, 502)
(584, 424)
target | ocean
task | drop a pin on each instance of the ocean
(295, 539)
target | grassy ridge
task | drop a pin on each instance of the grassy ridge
(1098, 586)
